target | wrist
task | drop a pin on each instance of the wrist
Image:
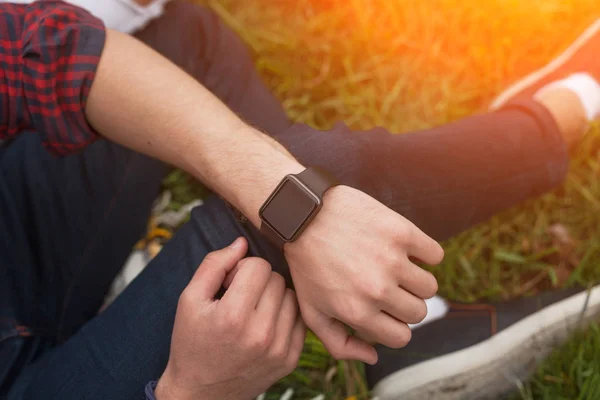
(273, 167)
(167, 389)
(247, 172)
(294, 204)
(330, 200)
(253, 201)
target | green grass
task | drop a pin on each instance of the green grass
(570, 373)
(407, 65)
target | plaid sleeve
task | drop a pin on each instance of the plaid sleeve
(49, 53)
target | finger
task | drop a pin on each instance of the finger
(416, 280)
(367, 338)
(298, 337)
(404, 306)
(209, 277)
(388, 331)
(230, 276)
(285, 323)
(424, 248)
(336, 339)
(269, 304)
(247, 286)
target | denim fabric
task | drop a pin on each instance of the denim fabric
(69, 224)
(114, 354)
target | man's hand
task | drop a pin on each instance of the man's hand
(352, 264)
(238, 346)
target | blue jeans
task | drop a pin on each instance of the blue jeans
(69, 224)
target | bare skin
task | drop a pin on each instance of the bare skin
(235, 347)
(352, 264)
(567, 111)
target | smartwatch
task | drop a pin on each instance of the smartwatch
(294, 204)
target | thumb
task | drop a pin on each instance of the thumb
(209, 277)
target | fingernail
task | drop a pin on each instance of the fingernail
(237, 243)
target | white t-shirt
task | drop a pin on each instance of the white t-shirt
(121, 15)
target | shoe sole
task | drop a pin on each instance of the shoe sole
(541, 73)
(496, 366)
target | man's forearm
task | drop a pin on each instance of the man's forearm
(142, 101)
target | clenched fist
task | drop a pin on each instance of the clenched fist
(353, 266)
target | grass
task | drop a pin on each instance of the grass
(408, 65)
(571, 372)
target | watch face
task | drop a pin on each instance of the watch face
(289, 208)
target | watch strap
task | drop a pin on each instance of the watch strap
(270, 234)
(318, 181)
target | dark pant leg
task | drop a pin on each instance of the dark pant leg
(449, 178)
(444, 179)
(118, 352)
(127, 345)
(68, 224)
(195, 38)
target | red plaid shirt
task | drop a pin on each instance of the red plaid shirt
(49, 52)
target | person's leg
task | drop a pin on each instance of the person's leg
(198, 41)
(69, 352)
(68, 224)
(119, 351)
(449, 178)
(444, 179)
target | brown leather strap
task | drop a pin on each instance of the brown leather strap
(271, 235)
(318, 181)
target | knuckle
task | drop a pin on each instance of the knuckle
(291, 294)
(405, 337)
(336, 352)
(374, 288)
(278, 354)
(419, 313)
(255, 262)
(404, 233)
(232, 322)
(401, 339)
(364, 287)
(380, 290)
(261, 340)
(432, 286)
(291, 364)
(358, 317)
(395, 258)
(186, 298)
(211, 259)
(277, 279)
(290, 302)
